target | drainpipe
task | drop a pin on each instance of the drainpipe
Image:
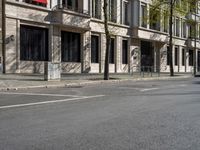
(3, 33)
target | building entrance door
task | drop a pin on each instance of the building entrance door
(147, 56)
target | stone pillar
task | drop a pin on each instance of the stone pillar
(86, 52)
(18, 47)
(135, 55)
(52, 70)
(187, 59)
(118, 54)
(103, 50)
(163, 58)
(11, 45)
(179, 58)
(196, 54)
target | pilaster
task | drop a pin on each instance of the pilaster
(118, 53)
(86, 52)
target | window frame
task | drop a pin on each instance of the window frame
(96, 9)
(177, 25)
(143, 21)
(125, 12)
(96, 59)
(70, 53)
(125, 53)
(33, 53)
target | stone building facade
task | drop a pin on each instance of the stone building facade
(71, 33)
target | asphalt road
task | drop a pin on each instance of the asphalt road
(133, 115)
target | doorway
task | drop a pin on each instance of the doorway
(198, 61)
(147, 56)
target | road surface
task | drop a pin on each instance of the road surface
(130, 115)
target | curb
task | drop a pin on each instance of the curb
(88, 82)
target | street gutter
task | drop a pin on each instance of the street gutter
(88, 82)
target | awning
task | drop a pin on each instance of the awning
(41, 1)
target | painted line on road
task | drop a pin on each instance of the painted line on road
(171, 86)
(150, 89)
(49, 102)
(39, 94)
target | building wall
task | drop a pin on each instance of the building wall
(57, 20)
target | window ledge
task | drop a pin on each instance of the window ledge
(110, 23)
(154, 31)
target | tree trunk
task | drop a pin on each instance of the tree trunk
(3, 35)
(195, 41)
(170, 40)
(108, 41)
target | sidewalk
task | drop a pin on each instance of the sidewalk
(24, 81)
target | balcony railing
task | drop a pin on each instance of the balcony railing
(70, 8)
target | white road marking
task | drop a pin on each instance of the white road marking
(150, 89)
(39, 94)
(49, 102)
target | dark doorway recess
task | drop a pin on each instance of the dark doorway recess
(95, 49)
(147, 56)
(198, 59)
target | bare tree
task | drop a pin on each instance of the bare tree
(173, 8)
(108, 40)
